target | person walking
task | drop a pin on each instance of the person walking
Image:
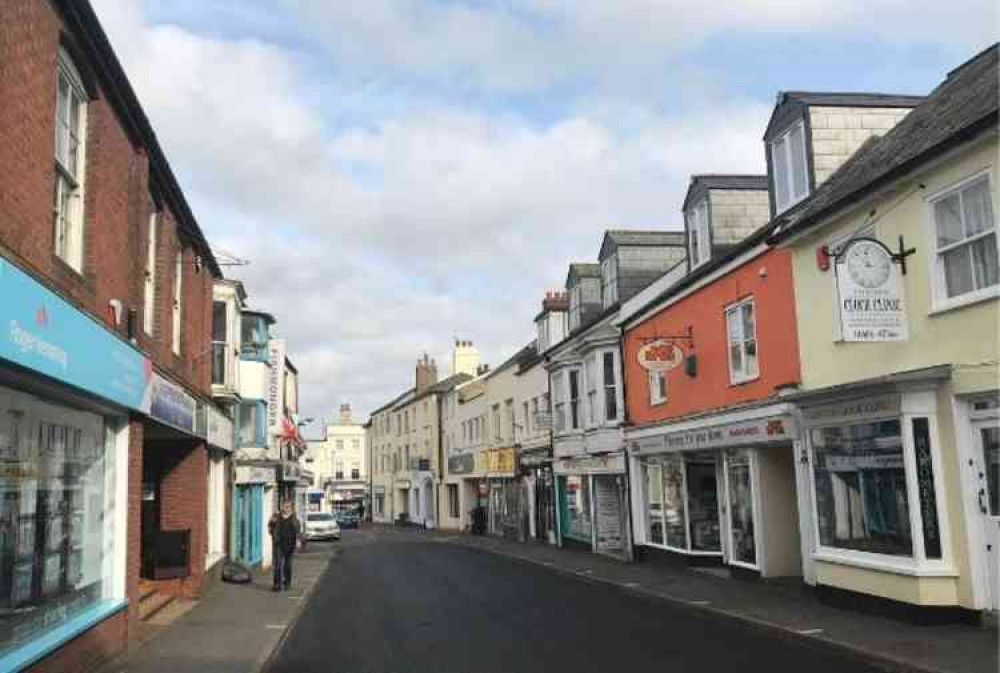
(285, 530)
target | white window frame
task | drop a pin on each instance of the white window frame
(789, 179)
(577, 401)
(559, 394)
(699, 242)
(656, 395)
(149, 286)
(744, 376)
(917, 564)
(612, 388)
(592, 388)
(68, 199)
(178, 298)
(609, 280)
(939, 289)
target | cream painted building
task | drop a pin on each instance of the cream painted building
(406, 443)
(899, 457)
(338, 462)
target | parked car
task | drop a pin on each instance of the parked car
(322, 526)
(347, 519)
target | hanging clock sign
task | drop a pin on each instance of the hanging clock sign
(870, 292)
(660, 356)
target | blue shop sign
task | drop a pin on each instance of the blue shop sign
(172, 405)
(41, 331)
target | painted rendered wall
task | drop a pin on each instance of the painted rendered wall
(704, 312)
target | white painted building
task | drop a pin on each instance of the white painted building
(338, 462)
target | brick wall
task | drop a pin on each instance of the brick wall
(116, 199)
(133, 562)
(838, 132)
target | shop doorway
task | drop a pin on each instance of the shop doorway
(741, 547)
(248, 508)
(704, 515)
(986, 439)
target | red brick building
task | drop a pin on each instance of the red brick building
(106, 282)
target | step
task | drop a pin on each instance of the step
(151, 604)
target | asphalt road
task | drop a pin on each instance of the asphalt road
(396, 603)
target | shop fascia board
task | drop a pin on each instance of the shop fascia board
(914, 380)
(757, 412)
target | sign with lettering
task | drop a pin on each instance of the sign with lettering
(771, 429)
(172, 405)
(853, 410)
(42, 332)
(275, 390)
(660, 356)
(462, 464)
(612, 463)
(870, 293)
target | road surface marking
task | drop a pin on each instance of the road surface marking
(275, 626)
(631, 585)
(585, 571)
(810, 632)
(700, 602)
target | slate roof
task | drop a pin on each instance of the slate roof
(522, 354)
(961, 107)
(585, 270)
(644, 237)
(445, 385)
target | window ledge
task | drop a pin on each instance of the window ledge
(58, 636)
(946, 306)
(885, 564)
(743, 382)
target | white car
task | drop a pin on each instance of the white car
(322, 526)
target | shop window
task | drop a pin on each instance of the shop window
(57, 517)
(654, 504)
(861, 489)
(453, 501)
(665, 502)
(967, 253)
(741, 519)
(741, 328)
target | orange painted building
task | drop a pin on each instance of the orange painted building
(767, 280)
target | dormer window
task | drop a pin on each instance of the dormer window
(789, 167)
(699, 241)
(609, 281)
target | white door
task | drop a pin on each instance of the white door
(987, 440)
(740, 497)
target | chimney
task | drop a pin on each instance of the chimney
(482, 369)
(555, 301)
(345, 413)
(427, 374)
(465, 358)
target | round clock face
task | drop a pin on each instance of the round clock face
(869, 264)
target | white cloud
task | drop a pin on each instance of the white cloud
(433, 213)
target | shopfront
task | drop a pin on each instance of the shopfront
(539, 484)
(879, 520)
(592, 496)
(720, 490)
(67, 387)
(248, 512)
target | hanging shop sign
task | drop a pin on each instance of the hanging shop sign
(42, 332)
(275, 390)
(757, 431)
(660, 356)
(870, 293)
(290, 471)
(502, 460)
(172, 405)
(462, 464)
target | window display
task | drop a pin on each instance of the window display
(56, 515)
(861, 491)
(654, 502)
(703, 503)
(665, 501)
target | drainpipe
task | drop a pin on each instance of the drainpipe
(630, 550)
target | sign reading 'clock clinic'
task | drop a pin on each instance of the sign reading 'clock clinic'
(870, 293)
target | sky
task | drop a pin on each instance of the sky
(401, 173)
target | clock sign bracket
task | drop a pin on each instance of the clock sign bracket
(897, 257)
(688, 337)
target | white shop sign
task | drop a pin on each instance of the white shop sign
(275, 390)
(252, 474)
(771, 429)
(870, 293)
(613, 464)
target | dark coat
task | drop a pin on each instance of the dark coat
(285, 532)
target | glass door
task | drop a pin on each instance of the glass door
(703, 502)
(740, 495)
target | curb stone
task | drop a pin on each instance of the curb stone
(267, 658)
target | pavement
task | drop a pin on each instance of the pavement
(234, 628)
(405, 600)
